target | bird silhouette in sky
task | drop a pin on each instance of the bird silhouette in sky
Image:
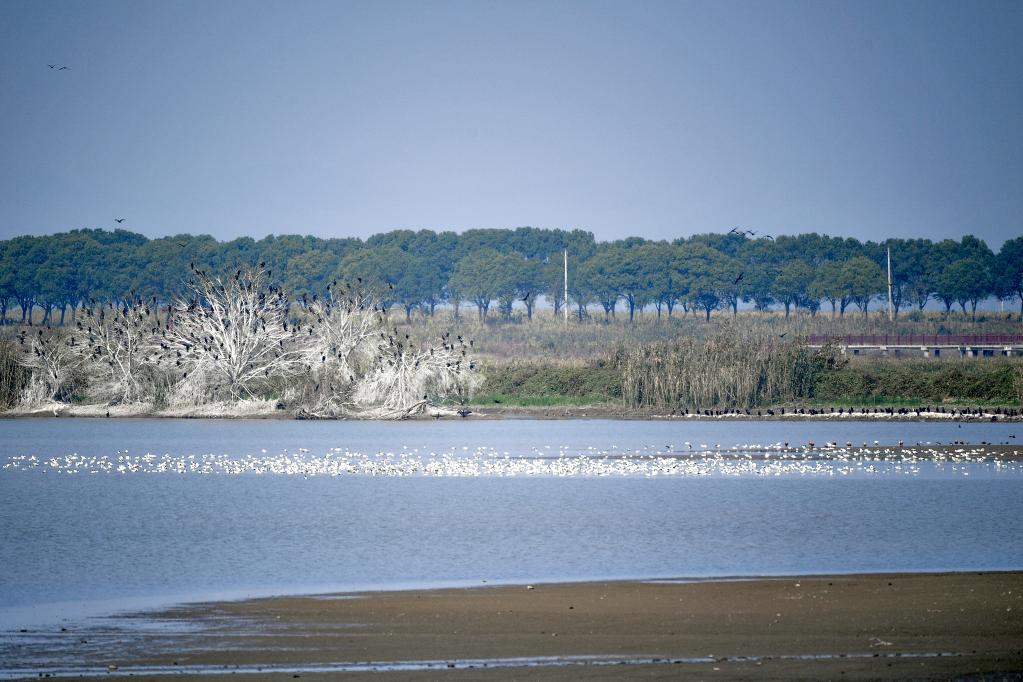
(63, 68)
(52, 66)
(119, 220)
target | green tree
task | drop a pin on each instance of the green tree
(962, 272)
(792, 283)
(708, 274)
(828, 284)
(1009, 269)
(376, 272)
(309, 273)
(602, 276)
(969, 281)
(529, 282)
(862, 280)
(483, 276)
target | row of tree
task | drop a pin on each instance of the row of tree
(422, 270)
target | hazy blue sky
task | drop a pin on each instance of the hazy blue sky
(626, 118)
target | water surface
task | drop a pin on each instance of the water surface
(74, 542)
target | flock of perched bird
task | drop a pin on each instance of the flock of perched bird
(232, 336)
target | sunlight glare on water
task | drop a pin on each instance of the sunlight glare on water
(171, 510)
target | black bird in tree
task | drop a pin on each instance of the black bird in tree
(782, 336)
(739, 278)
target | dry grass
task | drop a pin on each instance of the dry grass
(734, 368)
(14, 377)
(553, 341)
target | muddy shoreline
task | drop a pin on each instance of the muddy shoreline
(890, 626)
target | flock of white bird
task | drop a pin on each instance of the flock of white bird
(693, 460)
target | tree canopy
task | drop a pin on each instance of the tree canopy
(417, 271)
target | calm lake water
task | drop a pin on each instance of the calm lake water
(462, 502)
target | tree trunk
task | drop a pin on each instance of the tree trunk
(529, 309)
(708, 314)
(787, 304)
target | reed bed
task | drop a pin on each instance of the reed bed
(734, 368)
(14, 376)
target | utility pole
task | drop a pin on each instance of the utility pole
(566, 287)
(891, 314)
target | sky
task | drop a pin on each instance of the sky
(651, 119)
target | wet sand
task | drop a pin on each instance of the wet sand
(909, 626)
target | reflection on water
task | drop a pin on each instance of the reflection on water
(324, 506)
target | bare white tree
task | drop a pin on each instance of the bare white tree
(122, 348)
(406, 376)
(53, 362)
(232, 338)
(346, 324)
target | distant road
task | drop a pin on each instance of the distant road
(929, 344)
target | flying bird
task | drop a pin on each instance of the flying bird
(119, 220)
(739, 278)
(63, 68)
(182, 244)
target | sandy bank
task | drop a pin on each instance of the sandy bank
(919, 626)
